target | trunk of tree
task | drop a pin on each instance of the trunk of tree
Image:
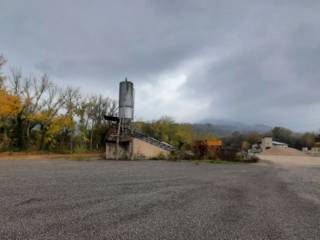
(20, 133)
(5, 138)
(42, 139)
(91, 137)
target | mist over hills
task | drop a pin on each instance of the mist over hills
(223, 127)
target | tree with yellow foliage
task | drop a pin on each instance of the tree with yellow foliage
(165, 129)
(37, 115)
(60, 126)
(10, 105)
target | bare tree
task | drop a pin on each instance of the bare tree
(91, 113)
(48, 114)
(2, 78)
(72, 100)
(98, 108)
(33, 94)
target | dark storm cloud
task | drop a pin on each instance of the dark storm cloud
(255, 61)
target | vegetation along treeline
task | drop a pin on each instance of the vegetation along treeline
(36, 114)
(183, 135)
(295, 140)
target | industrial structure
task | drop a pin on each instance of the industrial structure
(268, 142)
(265, 144)
(122, 141)
(207, 148)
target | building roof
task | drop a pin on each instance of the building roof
(279, 143)
(214, 142)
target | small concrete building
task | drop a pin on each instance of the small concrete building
(137, 148)
(268, 143)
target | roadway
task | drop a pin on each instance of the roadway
(58, 199)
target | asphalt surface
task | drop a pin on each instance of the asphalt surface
(59, 199)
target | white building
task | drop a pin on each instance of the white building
(267, 143)
(279, 144)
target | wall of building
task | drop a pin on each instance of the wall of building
(142, 149)
(266, 143)
(125, 150)
(281, 146)
(135, 149)
(315, 151)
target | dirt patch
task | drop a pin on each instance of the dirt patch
(278, 151)
(292, 161)
(289, 157)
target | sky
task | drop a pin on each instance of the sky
(252, 61)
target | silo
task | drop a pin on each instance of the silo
(126, 100)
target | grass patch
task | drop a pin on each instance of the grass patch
(212, 161)
(223, 161)
(49, 156)
(82, 158)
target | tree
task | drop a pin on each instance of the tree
(59, 129)
(50, 109)
(235, 140)
(2, 78)
(165, 129)
(37, 114)
(96, 108)
(253, 137)
(31, 93)
(92, 126)
(282, 135)
(307, 140)
(10, 105)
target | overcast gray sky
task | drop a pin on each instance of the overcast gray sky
(255, 61)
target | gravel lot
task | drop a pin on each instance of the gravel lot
(60, 199)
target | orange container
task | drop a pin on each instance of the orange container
(214, 143)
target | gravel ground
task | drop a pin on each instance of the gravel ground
(60, 199)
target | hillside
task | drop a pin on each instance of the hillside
(224, 128)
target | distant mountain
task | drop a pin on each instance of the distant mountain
(223, 128)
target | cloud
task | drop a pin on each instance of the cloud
(253, 61)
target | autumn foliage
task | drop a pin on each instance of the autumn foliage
(35, 114)
(10, 105)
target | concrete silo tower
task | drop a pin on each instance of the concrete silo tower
(126, 101)
(122, 140)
